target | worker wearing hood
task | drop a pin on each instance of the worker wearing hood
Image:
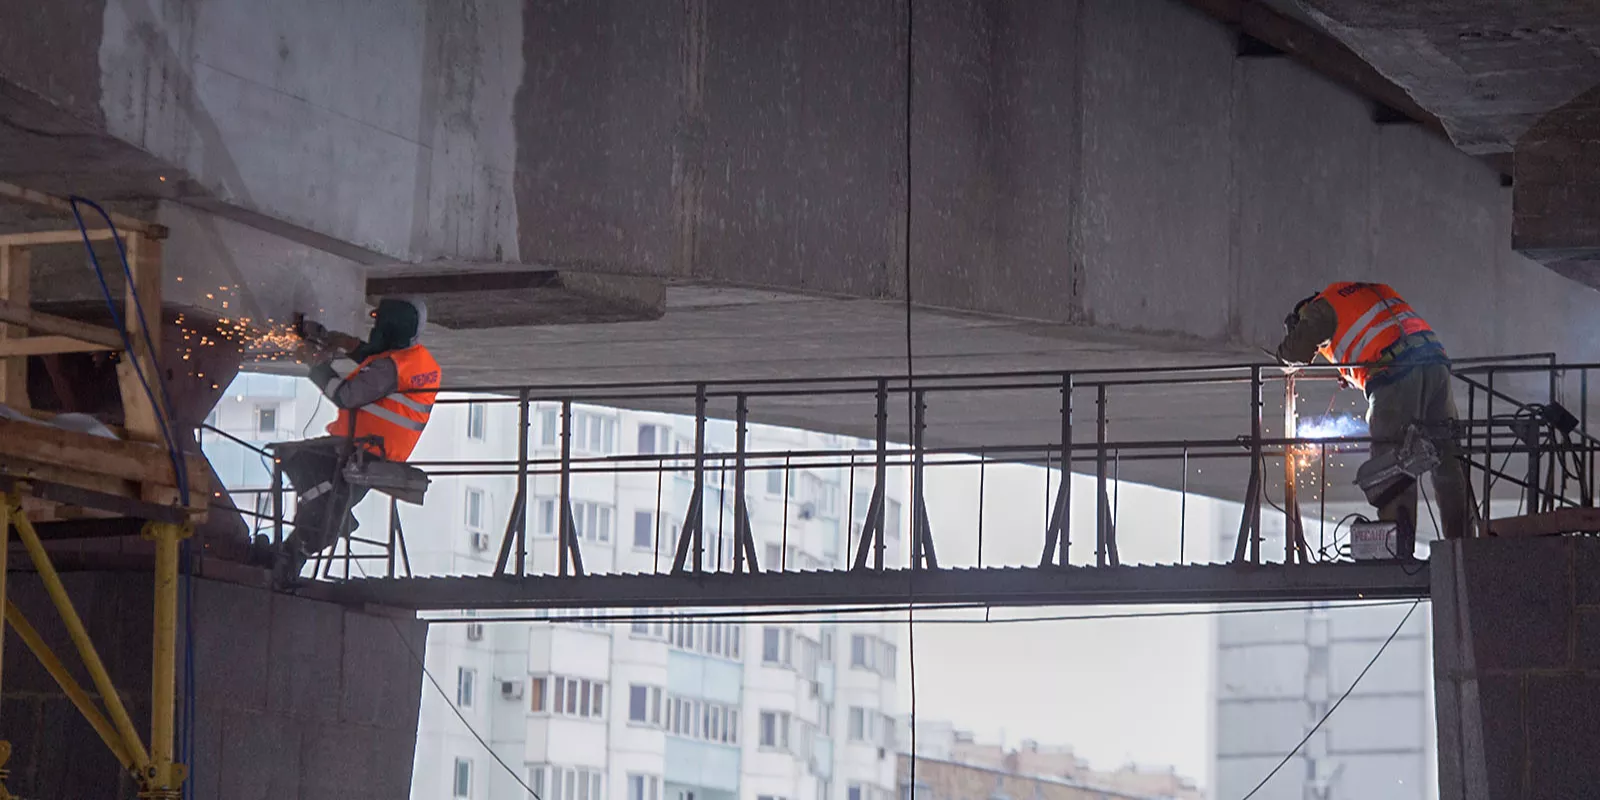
(384, 405)
(385, 402)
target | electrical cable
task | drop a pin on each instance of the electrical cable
(1336, 704)
(417, 657)
(911, 401)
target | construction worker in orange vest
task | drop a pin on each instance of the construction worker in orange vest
(1405, 374)
(384, 405)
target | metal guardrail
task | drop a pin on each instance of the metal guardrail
(1498, 428)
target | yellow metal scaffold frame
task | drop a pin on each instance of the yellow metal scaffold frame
(65, 473)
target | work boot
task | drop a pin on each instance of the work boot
(260, 552)
(287, 565)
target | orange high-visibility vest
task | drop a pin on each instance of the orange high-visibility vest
(397, 418)
(1372, 317)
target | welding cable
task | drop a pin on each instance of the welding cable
(1336, 704)
(162, 406)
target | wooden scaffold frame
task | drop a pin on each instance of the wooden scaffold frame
(49, 472)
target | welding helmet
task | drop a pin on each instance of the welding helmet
(1293, 319)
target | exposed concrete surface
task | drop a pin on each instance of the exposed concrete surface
(1093, 183)
(1516, 650)
(294, 697)
(1487, 69)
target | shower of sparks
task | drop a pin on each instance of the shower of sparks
(254, 339)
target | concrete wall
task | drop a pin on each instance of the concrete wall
(1111, 164)
(293, 697)
(1516, 654)
(1095, 162)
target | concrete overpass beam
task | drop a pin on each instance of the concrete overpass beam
(1556, 215)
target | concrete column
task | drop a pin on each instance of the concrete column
(1556, 212)
(293, 697)
(1517, 667)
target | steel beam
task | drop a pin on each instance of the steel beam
(999, 586)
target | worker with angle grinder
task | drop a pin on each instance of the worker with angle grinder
(384, 404)
(1405, 373)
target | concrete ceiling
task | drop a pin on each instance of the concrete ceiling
(1488, 70)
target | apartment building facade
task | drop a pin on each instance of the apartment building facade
(645, 708)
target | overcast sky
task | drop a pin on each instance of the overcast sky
(1115, 690)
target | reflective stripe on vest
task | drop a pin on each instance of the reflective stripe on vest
(1371, 318)
(389, 416)
(405, 400)
(398, 418)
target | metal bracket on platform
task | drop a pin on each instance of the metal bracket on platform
(1058, 531)
(872, 529)
(691, 535)
(744, 541)
(570, 553)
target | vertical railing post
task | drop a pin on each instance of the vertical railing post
(1488, 447)
(743, 537)
(277, 502)
(922, 552)
(1588, 446)
(1102, 523)
(1058, 526)
(882, 473)
(699, 473)
(564, 514)
(1253, 508)
(1065, 540)
(521, 511)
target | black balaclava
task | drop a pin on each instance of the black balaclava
(397, 325)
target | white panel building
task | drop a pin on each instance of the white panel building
(643, 709)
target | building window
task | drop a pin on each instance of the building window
(693, 718)
(465, 686)
(777, 646)
(891, 518)
(463, 781)
(577, 697)
(650, 439)
(644, 530)
(827, 647)
(592, 521)
(475, 414)
(267, 418)
(644, 787)
(774, 481)
(594, 433)
(549, 427)
(648, 628)
(569, 783)
(775, 730)
(873, 655)
(547, 517)
(857, 792)
(858, 724)
(536, 695)
(474, 509)
(644, 705)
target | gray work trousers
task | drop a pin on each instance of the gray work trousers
(1422, 395)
